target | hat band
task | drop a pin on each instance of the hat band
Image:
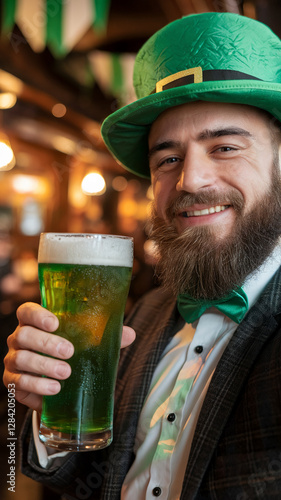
(196, 75)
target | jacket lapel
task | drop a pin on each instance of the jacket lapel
(227, 382)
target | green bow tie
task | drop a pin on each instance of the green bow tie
(234, 305)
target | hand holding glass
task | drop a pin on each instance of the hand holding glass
(84, 280)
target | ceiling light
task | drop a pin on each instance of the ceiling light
(93, 184)
(7, 157)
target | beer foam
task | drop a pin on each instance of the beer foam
(86, 249)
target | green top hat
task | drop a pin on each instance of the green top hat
(219, 57)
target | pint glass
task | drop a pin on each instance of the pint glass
(84, 280)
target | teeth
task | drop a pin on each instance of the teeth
(205, 211)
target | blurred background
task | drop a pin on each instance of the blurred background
(64, 66)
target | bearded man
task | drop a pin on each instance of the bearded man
(198, 411)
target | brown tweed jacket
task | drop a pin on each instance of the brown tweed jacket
(236, 450)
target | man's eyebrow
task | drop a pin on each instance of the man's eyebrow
(163, 145)
(211, 134)
(206, 134)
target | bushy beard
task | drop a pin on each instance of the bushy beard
(207, 267)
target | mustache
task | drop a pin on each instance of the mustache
(213, 197)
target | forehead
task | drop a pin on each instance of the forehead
(203, 115)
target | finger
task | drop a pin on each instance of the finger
(36, 315)
(30, 362)
(31, 384)
(29, 338)
(128, 336)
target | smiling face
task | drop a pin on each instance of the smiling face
(212, 152)
(216, 180)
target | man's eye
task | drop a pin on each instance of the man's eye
(168, 161)
(225, 149)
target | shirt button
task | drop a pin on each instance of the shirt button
(199, 349)
(156, 492)
(171, 417)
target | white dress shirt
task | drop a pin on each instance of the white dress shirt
(177, 391)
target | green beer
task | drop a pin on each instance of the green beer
(88, 297)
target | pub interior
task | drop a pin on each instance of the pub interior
(64, 66)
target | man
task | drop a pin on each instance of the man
(198, 412)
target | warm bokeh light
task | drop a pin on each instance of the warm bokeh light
(59, 110)
(63, 144)
(128, 207)
(119, 183)
(25, 183)
(7, 158)
(26, 267)
(93, 184)
(7, 100)
(10, 83)
(31, 184)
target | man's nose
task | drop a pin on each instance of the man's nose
(197, 173)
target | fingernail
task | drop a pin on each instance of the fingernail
(50, 323)
(62, 370)
(54, 387)
(65, 349)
